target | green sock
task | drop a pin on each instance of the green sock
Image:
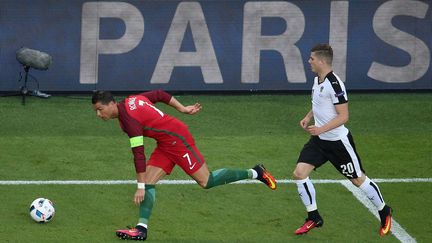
(225, 176)
(146, 205)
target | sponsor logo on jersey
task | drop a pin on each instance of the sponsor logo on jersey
(340, 94)
(131, 103)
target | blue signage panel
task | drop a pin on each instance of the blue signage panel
(216, 44)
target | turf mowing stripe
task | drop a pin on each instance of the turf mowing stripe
(184, 182)
(396, 228)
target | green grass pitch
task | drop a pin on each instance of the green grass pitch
(61, 139)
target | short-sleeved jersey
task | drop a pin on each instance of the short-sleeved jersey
(140, 118)
(325, 96)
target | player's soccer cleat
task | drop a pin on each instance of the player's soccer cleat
(265, 177)
(308, 225)
(132, 234)
(386, 220)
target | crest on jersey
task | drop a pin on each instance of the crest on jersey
(321, 89)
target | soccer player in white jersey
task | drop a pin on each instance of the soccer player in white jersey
(331, 141)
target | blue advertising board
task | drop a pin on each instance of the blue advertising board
(216, 45)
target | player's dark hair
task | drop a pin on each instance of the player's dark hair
(324, 51)
(104, 97)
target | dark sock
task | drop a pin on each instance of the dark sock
(385, 209)
(314, 215)
(383, 213)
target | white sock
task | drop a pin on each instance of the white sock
(142, 224)
(306, 192)
(254, 174)
(373, 193)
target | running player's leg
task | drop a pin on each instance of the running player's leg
(309, 159)
(157, 167)
(305, 187)
(373, 193)
(192, 162)
(370, 189)
(349, 164)
(207, 179)
(152, 176)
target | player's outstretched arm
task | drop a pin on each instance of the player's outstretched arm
(191, 109)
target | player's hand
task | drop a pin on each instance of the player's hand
(192, 109)
(139, 196)
(304, 123)
(313, 130)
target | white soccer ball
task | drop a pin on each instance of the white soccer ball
(42, 210)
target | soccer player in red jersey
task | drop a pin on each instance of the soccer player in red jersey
(139, 118)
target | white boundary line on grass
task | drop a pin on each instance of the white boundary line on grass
(396, 230)
(186, 182)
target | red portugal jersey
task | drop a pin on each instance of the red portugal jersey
(140, 118)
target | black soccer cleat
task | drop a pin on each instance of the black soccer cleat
(386, 220)
(264, 176)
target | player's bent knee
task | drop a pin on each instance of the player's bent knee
(202, 184)
(302, 171)
(357, 182)
(298, 175)
(209, 183)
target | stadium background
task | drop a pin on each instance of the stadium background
(193, 46)
(216, 45)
